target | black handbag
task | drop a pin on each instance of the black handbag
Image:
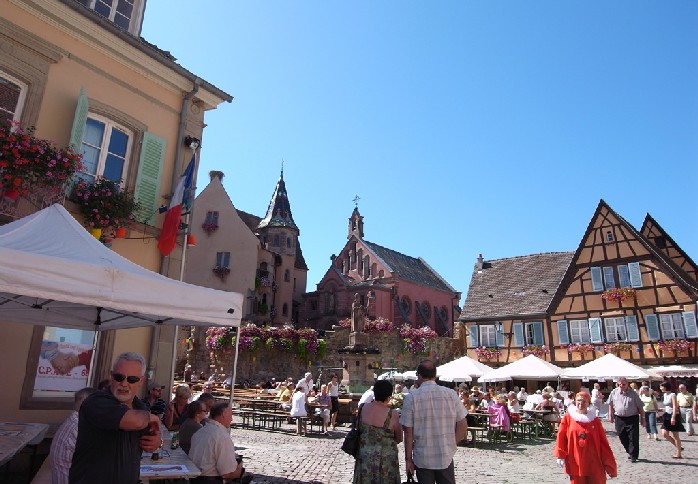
(410, 479)
(351, 441)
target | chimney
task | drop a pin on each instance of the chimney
(216, 174)
(479, 262)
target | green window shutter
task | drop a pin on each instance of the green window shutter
(689, 323)
(596, 279)
(652, 327)
(631, 328)
(148, 181)
(563, 333)
(538, 338)
(635, 274)
(518, 334)
(79, 121)
(595, 330)
(474, 336)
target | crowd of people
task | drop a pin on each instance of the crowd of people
(108, 429)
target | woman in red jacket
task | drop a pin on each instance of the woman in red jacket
(582, 447)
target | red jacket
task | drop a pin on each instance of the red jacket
(584, 446)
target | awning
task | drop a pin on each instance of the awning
(673, 371)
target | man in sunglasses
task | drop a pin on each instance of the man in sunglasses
(114, 427)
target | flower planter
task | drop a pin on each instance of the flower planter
(120, 233)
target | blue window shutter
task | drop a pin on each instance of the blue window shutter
(518, 334)
(563, 333)
(609, 279)
(652, 327)
(499, 335)
(147, 190)
(689, 322)
(79, 121)
(631, 327)
(596, 279)
(474, 336)
(538, 333)
(624, 276)
(635, 275)
(595, 330)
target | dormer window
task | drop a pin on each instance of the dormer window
(126, 14)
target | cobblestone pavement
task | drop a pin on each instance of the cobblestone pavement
(282, 457)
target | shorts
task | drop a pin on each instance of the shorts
(335, 404)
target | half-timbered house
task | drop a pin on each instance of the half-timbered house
(623, 291)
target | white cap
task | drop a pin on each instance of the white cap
(308, 374)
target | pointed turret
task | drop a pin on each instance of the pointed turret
(279, 211)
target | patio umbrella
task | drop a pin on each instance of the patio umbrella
(462, 369)
(528, 368)
(608, 366)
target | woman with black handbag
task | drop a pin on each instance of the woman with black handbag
(380, 432)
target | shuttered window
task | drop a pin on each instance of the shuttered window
(671, 326)
(223, 259)
(579, 331)
(488, 335)
(605, 277)
(615, 329)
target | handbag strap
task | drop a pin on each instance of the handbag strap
(358, 416)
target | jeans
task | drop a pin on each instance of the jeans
(651, 422)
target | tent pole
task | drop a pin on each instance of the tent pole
(235, 366)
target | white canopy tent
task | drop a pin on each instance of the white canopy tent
(55, 273)
(608, 366)
(529, 368)
(462, 369)
(672, 371)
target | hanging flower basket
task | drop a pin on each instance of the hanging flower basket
(485, 353)
(27, 161)
(618, 294)
(103, 203)
(416, 340)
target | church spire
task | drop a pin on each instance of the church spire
(356, 221)
(279, 211)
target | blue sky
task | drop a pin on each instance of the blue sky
(465, 127)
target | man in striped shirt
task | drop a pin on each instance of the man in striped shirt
(63, 444)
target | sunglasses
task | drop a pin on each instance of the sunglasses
(118, 377)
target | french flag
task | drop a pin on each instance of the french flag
(180, 198)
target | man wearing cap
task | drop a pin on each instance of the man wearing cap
(156, 404)
(306, 384)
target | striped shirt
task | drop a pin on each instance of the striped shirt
(432, 411)
(62, 448)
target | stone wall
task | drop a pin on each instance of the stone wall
(263, 364)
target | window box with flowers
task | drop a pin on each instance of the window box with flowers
(485, 353)
(209, 227)
(618, 294)
(103, 204)
(581, 348)
(538, 350)
(28, 162)
(675, 346)
(262, 282)
(616, 348)
(221, 271)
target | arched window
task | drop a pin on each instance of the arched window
(287, 275)
(288, 242)
(276, 240)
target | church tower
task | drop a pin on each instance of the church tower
(279, 235)
(356, 224)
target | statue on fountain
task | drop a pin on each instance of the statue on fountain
(358, 313)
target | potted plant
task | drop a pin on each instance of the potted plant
(416, 340)
(486, 353)
(209, 227)
(581, 348)
(27, 161)
(538, 350)
(617, 347)
(676, 345)
(104, 204)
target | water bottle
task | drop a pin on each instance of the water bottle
(175, 440)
